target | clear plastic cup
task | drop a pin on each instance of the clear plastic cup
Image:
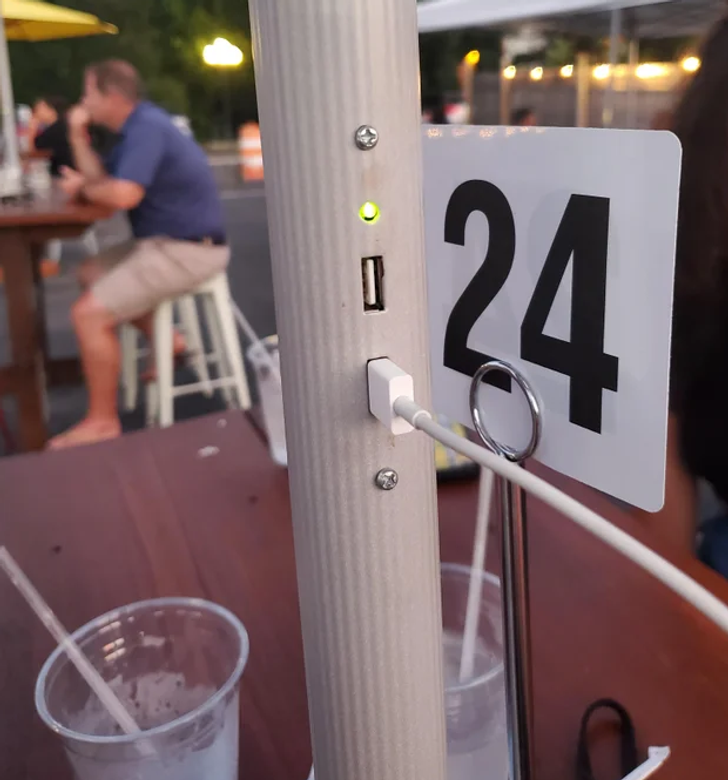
(475, 710)
(176, 664)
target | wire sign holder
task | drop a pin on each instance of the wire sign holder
(516, 622)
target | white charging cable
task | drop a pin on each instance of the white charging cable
(383, 373)
(256, 341)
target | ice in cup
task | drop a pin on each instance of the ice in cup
(176, 664)
(475, 710)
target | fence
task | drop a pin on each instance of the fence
(638, 95)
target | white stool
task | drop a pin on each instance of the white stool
(226, 355)
(185, 316)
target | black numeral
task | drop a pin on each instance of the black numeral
(582, 239)
(469, 197)
(582, 235)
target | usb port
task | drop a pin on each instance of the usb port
(372, 277)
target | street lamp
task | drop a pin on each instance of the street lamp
(466, 76)
(224, 55)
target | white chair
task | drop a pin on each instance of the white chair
(226, 354)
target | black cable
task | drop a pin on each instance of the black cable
(629, 757)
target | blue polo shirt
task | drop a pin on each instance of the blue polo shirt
(181, 199)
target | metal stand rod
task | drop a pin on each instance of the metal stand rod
(516, 625)
(337, 85)
(516, 622)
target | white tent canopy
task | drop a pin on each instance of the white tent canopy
(645, 18)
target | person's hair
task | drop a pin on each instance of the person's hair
(117, 76)
(436, 104)
(700, 121)
(520, 115)
(58, 104)
(700, 314)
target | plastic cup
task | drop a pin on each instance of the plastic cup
(38, 177)
(176, 664)
(475, 710)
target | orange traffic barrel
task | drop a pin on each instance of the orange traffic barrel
(251, 152)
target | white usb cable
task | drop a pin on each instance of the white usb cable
(383, 372)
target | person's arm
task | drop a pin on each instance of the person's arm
(33, 133)
(139, 159)
(40, 144)
(118, 194)
(115, 193)
(88, 163)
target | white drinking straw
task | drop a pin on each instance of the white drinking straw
(475, 589)
(107, 697)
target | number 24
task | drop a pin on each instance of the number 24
(583, 233)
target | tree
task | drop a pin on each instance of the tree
(164, 40)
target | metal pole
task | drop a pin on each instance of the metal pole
(615, 30)
(516, 612)
(228, 99)
(363, 501)
(469, 90)
(634, 59)
(583, 84)
(10, 134)
(506, 87)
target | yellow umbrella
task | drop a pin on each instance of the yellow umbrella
(31, 20)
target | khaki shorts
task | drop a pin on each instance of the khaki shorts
(138, 275)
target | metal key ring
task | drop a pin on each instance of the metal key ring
(516, 456)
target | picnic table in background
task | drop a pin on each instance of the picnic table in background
(199, 509)
(25, 226)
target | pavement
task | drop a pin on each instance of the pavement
(250, 282)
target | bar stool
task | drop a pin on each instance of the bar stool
(225, 356)
(186, 320)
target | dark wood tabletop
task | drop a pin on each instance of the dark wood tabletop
(25, 226)
(199, 509)
(53, 209)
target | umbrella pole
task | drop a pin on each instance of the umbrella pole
(340, 118)
(10, 134)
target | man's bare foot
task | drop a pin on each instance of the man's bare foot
(86, 432)
(179, 354)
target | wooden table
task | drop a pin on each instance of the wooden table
(148, 515)
(24, 228)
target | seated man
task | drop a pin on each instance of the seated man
(163, 179)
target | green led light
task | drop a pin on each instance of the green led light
(369, 213)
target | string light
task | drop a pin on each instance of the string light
(650, 70)
(472, 58)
